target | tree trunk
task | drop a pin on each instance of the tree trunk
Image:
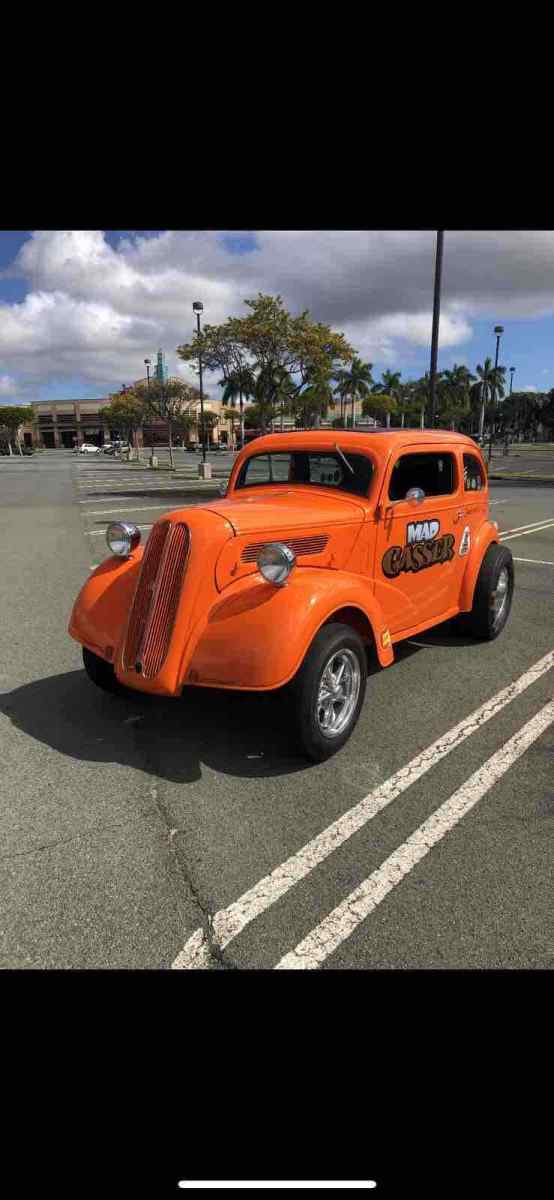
(10, 446)
(402, 421)
(18, 440)
(171, 442)
(388, 420)
(241, 419)
(422, 419)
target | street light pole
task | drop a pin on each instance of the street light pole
(204, 468)
(198, 307)
(147, 362)
(512, 373)
(499, 330)
(436, 318)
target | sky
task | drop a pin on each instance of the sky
(81, 310)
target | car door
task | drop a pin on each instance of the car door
(418, 567)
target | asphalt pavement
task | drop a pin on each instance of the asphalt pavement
(138, 832)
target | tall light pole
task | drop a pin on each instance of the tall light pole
(512, 373)
(147, 363)
(436, 318)
(499, 330)
(198, 307)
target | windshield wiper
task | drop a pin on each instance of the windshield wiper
(345, 460)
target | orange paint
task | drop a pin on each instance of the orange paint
(209, 617)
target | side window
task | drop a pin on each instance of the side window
(474, 479)
(434, 473)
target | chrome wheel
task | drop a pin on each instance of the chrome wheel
(339, 688)
(500, 595)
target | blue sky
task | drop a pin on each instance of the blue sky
(81, 310)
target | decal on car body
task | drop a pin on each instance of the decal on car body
(423, 549)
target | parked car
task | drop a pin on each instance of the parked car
(88, 448)
(329, 548)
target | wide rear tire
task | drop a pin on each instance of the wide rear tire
(492, 599)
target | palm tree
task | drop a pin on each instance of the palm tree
(318, 396)
(391, 386)
(456, 390)
(491, 381)
(355, 382)
(240, 384)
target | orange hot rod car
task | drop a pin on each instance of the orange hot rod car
(327, 546)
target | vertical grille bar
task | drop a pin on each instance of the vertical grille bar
(157, 596)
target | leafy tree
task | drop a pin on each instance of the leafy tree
(354, 383)
(379, 405)
(167, 399)
(12, 417)
(125, 413)
(269, 341)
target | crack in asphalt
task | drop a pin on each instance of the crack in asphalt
(85, 834)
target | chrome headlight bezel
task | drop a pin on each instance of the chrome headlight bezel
(122, 534)
(275, 563)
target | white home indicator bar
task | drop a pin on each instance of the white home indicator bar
(277, 1183)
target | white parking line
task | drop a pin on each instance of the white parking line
(540, 562)
(99, 512)
(334, 929)
(530, 526)
(229, 922)
(527, 532)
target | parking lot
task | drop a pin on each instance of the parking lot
(139, 832)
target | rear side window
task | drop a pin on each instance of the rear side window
(434, 473)
(474, 477)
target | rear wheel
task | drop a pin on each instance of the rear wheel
(101, 672)
(329, 690)
(492, 598)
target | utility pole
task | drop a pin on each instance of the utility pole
(436, 319)
(499, 330)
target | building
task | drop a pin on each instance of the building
(66, 423)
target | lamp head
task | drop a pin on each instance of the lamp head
(197, 306)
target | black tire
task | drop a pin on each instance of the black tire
(326, 646)
(101, 672)
(483, 621)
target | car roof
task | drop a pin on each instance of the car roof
(379, 440)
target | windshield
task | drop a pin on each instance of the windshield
(309, 467)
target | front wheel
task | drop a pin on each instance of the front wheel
(329, 690)
(101, 672)
(492, 598)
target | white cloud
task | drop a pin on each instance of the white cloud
(530, 388)
(93, 312)
(8, 385)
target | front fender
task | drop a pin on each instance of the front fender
(485, 536)
(257, 636)
(102, 607)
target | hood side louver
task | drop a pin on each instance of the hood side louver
(299, 546)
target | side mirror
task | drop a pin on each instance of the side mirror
(415, 495)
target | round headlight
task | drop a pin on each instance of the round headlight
(275, 562)
(122, 537)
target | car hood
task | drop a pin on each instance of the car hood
(271, 512)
